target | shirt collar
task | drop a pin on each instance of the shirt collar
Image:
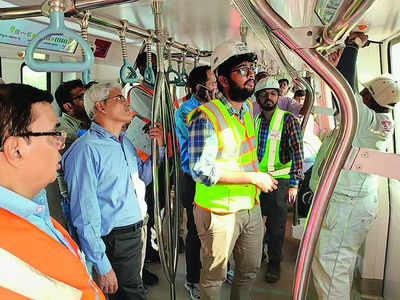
(232, 111)
(18, 204)
(74, 121)
(104, 132)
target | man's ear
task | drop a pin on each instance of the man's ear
(68, 107)
(223, 81)
(14, 150)
(100, 106)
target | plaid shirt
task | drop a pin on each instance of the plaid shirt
(203, 145)
(291, 147)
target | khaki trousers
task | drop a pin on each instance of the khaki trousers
(240, 233)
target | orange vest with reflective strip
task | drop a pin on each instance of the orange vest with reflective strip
(43, 253)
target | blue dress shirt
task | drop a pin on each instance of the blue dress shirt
(182, 130)
(35, 211)
(102, 174)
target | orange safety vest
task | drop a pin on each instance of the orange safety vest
(50, 259)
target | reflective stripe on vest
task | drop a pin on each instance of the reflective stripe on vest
(270, 162)
(236, 152)
(45, 256)
(24, 280)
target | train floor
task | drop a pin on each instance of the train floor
(262, 290)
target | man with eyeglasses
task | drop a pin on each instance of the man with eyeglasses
(69, 97)
(106, 182)
(33, 246)
(280, 153)
(223, 162)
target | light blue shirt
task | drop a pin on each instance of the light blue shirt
(182, 130)
(106, 182)
(35, 211)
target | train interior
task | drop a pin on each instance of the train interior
(197, 27)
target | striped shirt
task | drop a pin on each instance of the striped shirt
(291, 147)
(203, 145)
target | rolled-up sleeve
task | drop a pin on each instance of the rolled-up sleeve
(203, 149)
(80, 175)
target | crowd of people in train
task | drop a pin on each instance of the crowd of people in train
(243, 161)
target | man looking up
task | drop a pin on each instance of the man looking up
(35, 245)
(280, 153)
(223, 162)
(204, 86)
(106, 183)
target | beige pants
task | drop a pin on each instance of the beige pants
(240, 233)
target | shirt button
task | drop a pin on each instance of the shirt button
(39, 209)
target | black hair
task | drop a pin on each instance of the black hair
(63, 93)
(283, 80)
(225, 69)
(15, 108)
(299, 93)
(89, 84)
(198, 76)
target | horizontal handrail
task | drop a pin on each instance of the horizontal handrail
(56, 27)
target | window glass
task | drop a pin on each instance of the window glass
(36, 79)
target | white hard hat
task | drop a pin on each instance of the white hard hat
(384, 89)
(267, 83)
(228, 49)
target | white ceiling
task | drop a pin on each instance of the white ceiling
(205, 23)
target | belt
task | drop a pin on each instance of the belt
(128, 228)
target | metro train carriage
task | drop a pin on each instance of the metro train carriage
(44, 44)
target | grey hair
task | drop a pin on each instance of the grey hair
(97, 92)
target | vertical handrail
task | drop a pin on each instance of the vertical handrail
(162, 108)
(337, 156)
(84, 35)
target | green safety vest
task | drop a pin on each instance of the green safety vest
(271, 162)
(237, 151)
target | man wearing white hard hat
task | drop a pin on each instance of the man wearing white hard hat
(354, 204)
(280, 153)
(223, 162)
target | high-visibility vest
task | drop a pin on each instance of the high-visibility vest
(40, 267)
(271, 162)
(236, 152)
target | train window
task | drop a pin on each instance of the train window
(40, 80)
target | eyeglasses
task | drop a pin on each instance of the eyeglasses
(120, 98)
(79, 97)
(245, 70)
(60, 136)
(266, 93)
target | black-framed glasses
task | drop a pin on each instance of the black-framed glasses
(245, 70)
(78, 97)
(266, 93)
(60, 136)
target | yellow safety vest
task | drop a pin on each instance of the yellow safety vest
(271, 162)
(237, 151)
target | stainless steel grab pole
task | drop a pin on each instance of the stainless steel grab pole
(162, 105)
(336, 157)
